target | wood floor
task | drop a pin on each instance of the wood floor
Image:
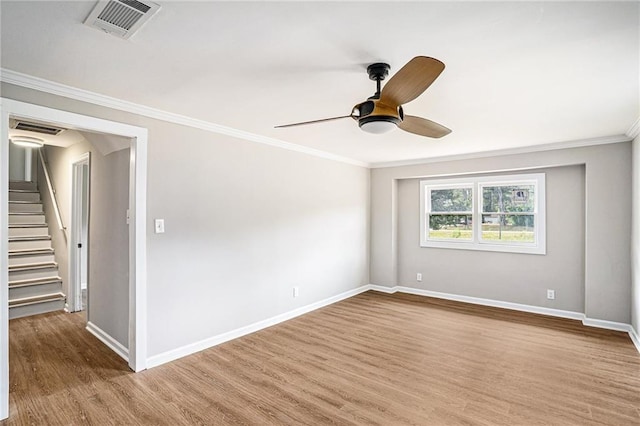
(372, 359)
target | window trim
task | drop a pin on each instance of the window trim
(477, 184)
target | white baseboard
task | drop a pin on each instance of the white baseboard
(635, 338)
(494, 303)
(192, 348)
(105, 338)
(382, 289)
(201, 345)
(480, 301)
(590, 322)
(609, 325)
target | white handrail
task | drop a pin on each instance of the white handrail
(52, 193)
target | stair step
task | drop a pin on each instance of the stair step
(24, 195)
(28, 230)
(34, 290)
(23, 243)
(30, 238)
(34, 305)
(34, 281)
(20, 257)
(22, 185)
(18, 218)
(36, 299)
(31, 266)
(36, 308)
(24, 207)
(29, 252)
(32, 270)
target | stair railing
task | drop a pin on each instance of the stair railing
(52, 193)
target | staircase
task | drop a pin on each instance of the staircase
(34, 284)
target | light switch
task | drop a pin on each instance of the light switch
(159, 226)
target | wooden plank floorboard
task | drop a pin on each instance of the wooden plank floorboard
(374, 359)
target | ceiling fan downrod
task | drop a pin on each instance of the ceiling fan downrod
(378, 72)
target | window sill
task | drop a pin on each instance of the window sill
(504, 248)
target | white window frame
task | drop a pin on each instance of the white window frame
(539, 245)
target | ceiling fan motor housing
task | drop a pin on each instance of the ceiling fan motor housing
(375, 111)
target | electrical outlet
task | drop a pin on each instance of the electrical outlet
(296, 291)
(551, 294)
(418, 276)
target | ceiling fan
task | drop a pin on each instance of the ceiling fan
(383, 111)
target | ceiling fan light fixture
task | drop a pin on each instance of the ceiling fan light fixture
(378, 124)
(27, 141)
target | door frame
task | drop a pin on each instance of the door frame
(138, 136)
(79, 208)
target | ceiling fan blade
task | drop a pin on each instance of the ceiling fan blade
(423, 127)
(412, 79)
(312, 122)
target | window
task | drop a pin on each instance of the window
(450, 212)
(494, 213)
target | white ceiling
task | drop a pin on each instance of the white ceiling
(517, 73)
(105, 143)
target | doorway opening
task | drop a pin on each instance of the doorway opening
(79, 238)
(137, 137)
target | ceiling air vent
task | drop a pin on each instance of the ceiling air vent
(121, 18)
(37, 127)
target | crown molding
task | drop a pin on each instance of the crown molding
(507, 151)
(634, 130)
(47, 86)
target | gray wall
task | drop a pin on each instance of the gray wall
(635, 242)
(108, 232)
(607, 269)
(108, 286)
(16, 162)
(245, 222)
(518, 278)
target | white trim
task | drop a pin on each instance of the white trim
(75, 231)
(493, 303)
(47, 86)
(4, 262)
(192, 348)
(634, 130)
(506, 151)
(588, 322)
(635, 338)
(137, 229)
(477, 183)
(138, 252)
(105, 338)
(382, 289)
(607, 325)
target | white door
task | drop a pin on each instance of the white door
(79, 237)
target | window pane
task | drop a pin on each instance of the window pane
(454, 227)
(506, 227)
(451, 200)
(507, 199)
